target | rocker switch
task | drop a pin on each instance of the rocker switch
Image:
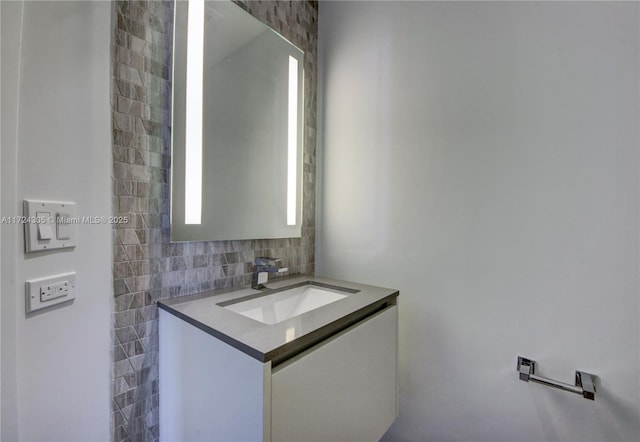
(44, 230)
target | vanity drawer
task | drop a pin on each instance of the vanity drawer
(345, 388)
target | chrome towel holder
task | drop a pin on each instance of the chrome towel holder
(584, 382)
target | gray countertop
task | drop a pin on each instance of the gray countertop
(282, 340)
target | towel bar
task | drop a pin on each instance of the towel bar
(584, 382)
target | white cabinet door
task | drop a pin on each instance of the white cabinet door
(344, 389)
(209, 391)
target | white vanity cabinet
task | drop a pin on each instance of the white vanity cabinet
(341, 389)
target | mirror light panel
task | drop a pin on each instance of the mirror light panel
(194, 98)
(292, 142)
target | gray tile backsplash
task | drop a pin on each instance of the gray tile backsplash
(146, 265)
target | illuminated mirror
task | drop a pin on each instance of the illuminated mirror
(237, 127)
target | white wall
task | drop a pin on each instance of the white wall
(1, 243)
(56, 74)
(483, 159)
(11, 15)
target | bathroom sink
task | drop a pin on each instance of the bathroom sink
(280, 305)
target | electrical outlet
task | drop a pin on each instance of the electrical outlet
(54, 291)
(46, 292)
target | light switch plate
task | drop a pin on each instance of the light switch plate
(52, 290)
(49, 225)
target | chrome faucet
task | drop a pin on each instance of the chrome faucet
(261, 269)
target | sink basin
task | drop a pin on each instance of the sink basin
(281, 305)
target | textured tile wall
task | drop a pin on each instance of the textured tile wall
(147, 266)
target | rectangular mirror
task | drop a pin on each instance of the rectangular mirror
(237, 138)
